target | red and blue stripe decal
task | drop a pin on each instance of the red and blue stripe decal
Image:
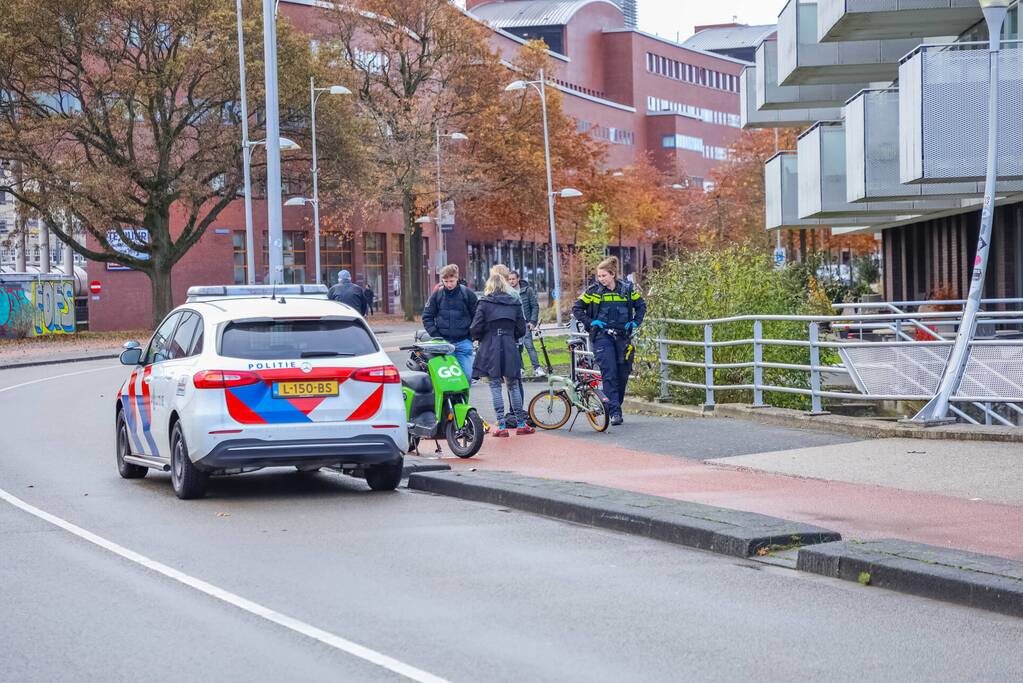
(255, 403)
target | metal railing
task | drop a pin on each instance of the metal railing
(911, 360)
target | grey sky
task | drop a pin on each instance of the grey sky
(667, 18)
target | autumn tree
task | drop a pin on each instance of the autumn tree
(415, 66)
(121, 114)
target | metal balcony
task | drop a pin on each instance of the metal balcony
(872, 157)
(781, 198)
(822, 181)
(840, 20)
(943, 93)
(804, 61)
(750, 117)
(772, 97)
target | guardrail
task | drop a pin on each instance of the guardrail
(892, 358)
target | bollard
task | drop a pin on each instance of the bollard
(758, 359)
(708, 361)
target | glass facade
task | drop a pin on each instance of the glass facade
(238, 256)
(373, 254)
(335, 256)
(294, 253)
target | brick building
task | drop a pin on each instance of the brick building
(636, 92)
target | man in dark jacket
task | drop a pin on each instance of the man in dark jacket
(449, 313)
(348, 293)
(370, 298)
(531, 311)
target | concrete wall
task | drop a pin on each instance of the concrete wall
(36, 306)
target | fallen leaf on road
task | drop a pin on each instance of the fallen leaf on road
(223, 514)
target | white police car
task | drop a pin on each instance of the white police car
(242, 378)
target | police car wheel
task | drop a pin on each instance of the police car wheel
(125, 469)
(188, 481)
(385, 477)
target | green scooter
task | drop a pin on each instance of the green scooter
(437, 399)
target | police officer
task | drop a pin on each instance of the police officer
(611, 310)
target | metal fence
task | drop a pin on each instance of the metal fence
(884, 351)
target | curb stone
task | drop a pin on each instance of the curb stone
(58, 361)
(981, 581)
(853, 426)
(415, 463)
(729, 532)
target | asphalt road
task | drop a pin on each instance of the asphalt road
(459, 590)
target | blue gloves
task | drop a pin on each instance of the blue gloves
(631, 327)
(599, 324)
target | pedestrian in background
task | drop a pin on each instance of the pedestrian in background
(449, 313)
(348, 293)
(531, 310)
(498, 325)
(370, 299)
(611, 310)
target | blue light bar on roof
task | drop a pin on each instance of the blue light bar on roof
(206, 292)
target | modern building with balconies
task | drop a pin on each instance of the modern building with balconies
(904, 153)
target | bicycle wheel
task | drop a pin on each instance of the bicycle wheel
(595, 409)
(550, 410)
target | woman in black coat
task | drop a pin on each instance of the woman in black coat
(497, 325)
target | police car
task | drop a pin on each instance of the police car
(242, 378)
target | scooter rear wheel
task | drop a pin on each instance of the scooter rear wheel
(467, 441)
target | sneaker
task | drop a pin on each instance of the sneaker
(539, 372)
(526, 429)
(501, 433)
(616, 419)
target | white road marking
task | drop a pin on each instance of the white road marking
(290, 623)
(284, 620)
(48, 379)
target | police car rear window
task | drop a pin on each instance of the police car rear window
(290, 339)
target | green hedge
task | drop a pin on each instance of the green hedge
(720, 284)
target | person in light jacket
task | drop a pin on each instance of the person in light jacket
(498, 325)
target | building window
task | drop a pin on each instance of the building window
(376, 265)
(238, 256)
(679, 141)
(335, 256)
(294, 252)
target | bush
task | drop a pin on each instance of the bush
(725, 283)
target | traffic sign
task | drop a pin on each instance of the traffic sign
(95, 286)
(779, 256)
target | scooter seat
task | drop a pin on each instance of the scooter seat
(418, 382)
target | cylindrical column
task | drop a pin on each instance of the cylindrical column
(555, 258)
(708, 362)
(758, 368)
(69, 261)
(44, 247)
(662, 357)
(250, 249)
(316, 173)
(815, 375)
(275, 233)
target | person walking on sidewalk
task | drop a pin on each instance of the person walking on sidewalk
(348, 293)
(531, 310)
(449, 313)
(370, 299)
(497, 325)
(611, 310)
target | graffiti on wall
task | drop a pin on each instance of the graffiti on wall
(54, 307)
(15, 311)
(34, 307)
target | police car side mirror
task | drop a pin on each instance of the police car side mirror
(131, 356)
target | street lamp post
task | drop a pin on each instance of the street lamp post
(314, 96)
(937, 408)
(540, 87)
(441, 249)
(250, 256)
(275, 234)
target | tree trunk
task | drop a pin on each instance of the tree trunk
(412, 260)
(162, 294)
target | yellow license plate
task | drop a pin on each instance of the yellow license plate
(308, 389)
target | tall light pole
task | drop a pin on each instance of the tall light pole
(275, 234)
(314, 96)
(540, 87)
(937, 408)
(441, 250)
(250, 256)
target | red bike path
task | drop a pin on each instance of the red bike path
(857, 511)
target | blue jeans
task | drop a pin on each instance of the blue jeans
(514, 399)
(464, 354)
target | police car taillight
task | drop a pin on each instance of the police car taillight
(381, 374)
(222, 379)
